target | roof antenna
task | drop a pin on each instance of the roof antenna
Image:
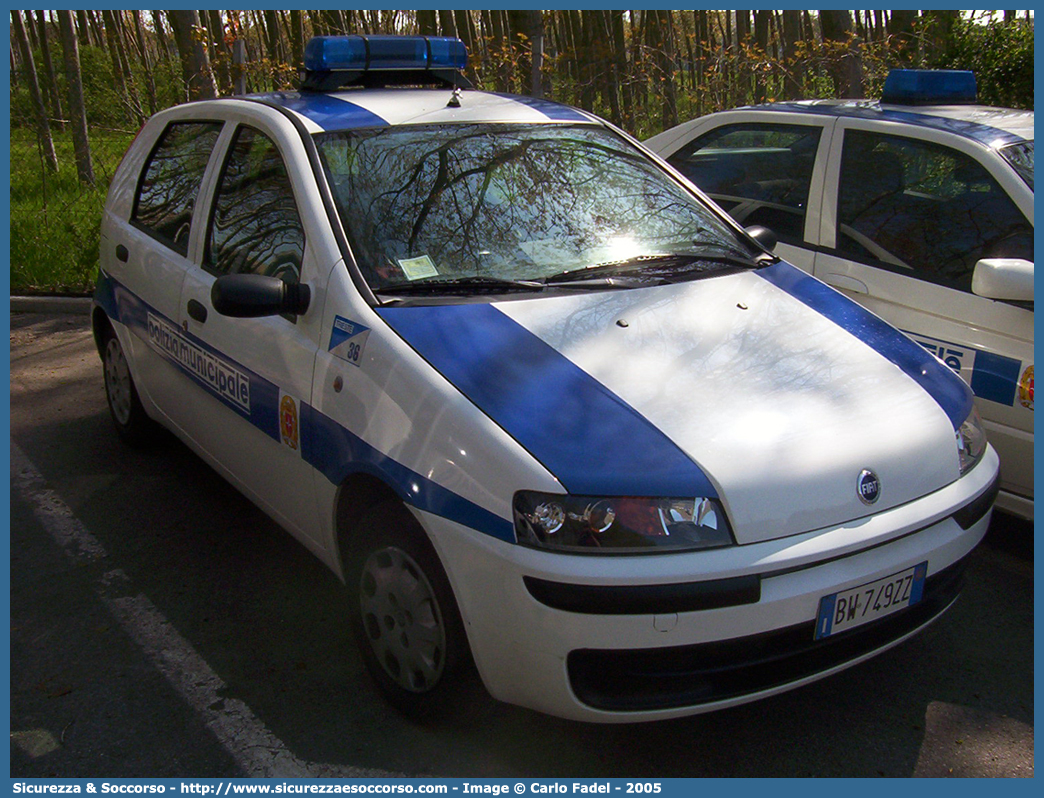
(454, 100)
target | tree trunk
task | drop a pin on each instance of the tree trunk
(793, 85)
(582, 35)
(426, 22)
(901, 29)
(297, 40)
(761, 39)
(195, 65)
(275, 50)
(121, 66)
(53, 95)
(661, 41)
(527, 42)
(939, 28)
(97, 36)
(43, 127)
(536, 56)
(447, 24)
(82, 29)
(77, 109)
(845, 63)
(331, 22)
(466, 29)
(146, 60)
(620, 76)
(114, 55)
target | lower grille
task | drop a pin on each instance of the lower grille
(662, 678)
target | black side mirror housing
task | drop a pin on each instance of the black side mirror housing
(765, 237)
(248, 296)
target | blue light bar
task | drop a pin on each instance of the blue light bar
(378, 53)
(930, 87)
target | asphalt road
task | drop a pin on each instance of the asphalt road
(163, 626)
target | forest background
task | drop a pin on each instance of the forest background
(83, 82)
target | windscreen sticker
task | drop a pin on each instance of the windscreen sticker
(418, 268)
(348, 339)
(991, 376)
(221, 377)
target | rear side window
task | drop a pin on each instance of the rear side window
(171, 181)
(759, 173)
(924, 209)
(255, 227)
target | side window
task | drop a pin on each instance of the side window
(922, 208)
(255, 227)
(171, 179)
(759, 173)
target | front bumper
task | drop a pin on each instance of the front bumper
(632, 638)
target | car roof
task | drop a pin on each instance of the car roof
(368, 108)
(994, 127)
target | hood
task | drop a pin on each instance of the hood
(764, 388)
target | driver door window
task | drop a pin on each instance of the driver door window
(255, 227)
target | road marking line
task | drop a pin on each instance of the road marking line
(254, 748)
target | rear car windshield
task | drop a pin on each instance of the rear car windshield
(509, 202)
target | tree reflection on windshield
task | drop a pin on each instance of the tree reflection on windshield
(507, 201)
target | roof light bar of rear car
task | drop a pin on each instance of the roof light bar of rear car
(332, 62)
(930, 87)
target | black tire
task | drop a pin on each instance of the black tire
(405, 618)
(128, 416)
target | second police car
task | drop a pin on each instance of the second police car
(918, 206)
(543, 408)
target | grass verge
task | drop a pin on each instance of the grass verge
(55, 219)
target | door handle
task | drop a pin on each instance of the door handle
(121, 253)
(197, 310)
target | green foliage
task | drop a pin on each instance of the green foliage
(1000, 53)
(55, 220)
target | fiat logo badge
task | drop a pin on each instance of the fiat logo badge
(869, 487)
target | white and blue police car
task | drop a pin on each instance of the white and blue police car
(918, 206)
(551, 415)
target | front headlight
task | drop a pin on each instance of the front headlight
(619, 525)
(971, 441)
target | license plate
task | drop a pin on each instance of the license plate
(850, 608)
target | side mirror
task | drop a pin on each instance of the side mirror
(1004, 278)
(765, 237)
(248, 296)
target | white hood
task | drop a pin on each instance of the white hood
(780, 407)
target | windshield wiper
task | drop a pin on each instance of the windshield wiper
(653, 265)
(626, 264)
(455, 285)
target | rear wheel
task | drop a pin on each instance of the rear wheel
(128, 416)
(404, 616)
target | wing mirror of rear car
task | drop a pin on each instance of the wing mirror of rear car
(765, 237)
(248, 296)
(1004, 278)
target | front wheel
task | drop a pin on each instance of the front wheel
(404, 616)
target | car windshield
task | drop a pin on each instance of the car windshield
(493, 205)
(1020, 156)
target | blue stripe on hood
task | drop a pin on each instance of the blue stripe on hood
(584, 434)
(945, 387)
